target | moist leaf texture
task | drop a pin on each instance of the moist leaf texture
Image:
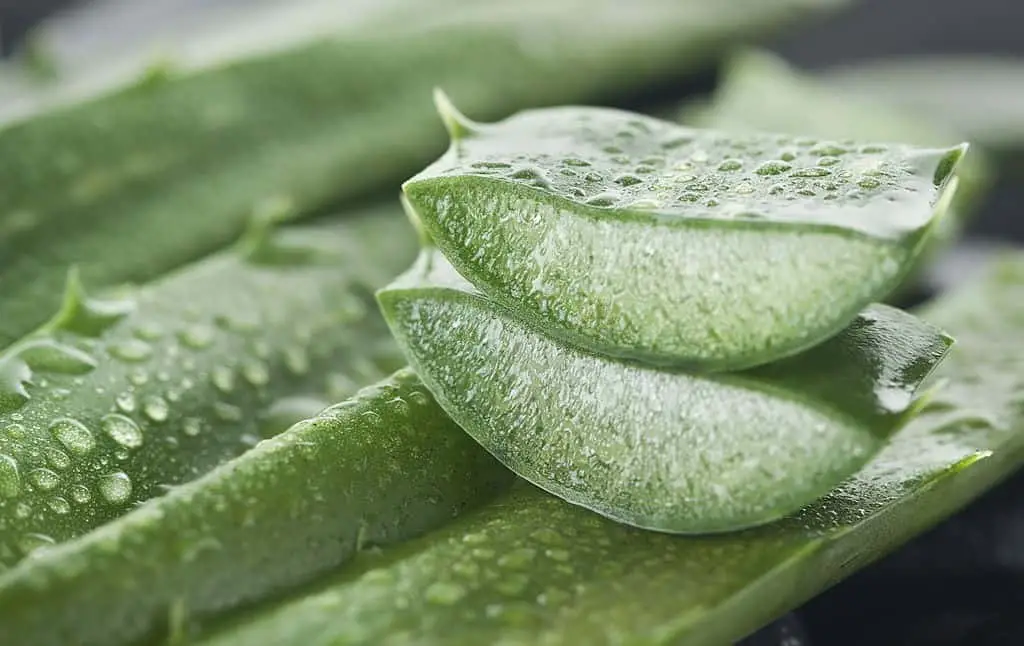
(530, 569)
(635, 237)
(654, 448)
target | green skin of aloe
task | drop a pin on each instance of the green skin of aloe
(581, 309)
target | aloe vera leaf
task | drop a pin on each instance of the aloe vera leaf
(978, 95)
(378, 468)
(662, 450)
(114, 400)
(183, 153)
(638, 238)
(531, 569)
(761, 91)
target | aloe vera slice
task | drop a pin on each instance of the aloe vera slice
(114, 400)
(93, 170)
(657, 449)
(530, 569)
(634, 237)
(378, 468)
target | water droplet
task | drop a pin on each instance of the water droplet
(572, 161)
(139, 377)
(603, 199)
(730, 165)
(828, 161)
(518, 558)
(133, 350)
(192, 426)
(15, 431)
(811, 172)
(58, 459)
(873, 149)
(371, 418)
(125, 402)
(59, 505)
(744, 188)
(868, 183)
(444, 593)
(122, 430)
(10, 479)
(44, 479)
(255, 372)
(227, 412)
(261, 348)
(628, 180)
(418, 398)
(80, 494)
(528, 172)
(115, 488)
(196, 336)
(557, 554)
(399, 407)
(773, 167)
(148, 331)
(223, 378)
(73, 434)
(155, 408)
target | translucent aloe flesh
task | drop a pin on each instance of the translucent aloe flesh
(184, 156)
(376, 469)
(653, 448)
(115, 400)
(530, 569)
(635, 237)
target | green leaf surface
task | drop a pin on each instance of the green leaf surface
(635, 237)
(116, 399)
(531, 569)
(376, 469)
(653, 448)
(979, 96)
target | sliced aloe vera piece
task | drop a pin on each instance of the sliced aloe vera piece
(530, 569)
(635, 237)
(378, 468)
(980, 96)
(662, 450)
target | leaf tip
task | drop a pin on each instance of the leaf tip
(81, 314)
(458, 125)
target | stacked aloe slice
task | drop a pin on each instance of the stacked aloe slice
(676, 328)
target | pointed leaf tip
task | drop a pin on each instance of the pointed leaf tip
(458, 125)
(81, 314)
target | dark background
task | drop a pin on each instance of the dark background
(963, 583)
